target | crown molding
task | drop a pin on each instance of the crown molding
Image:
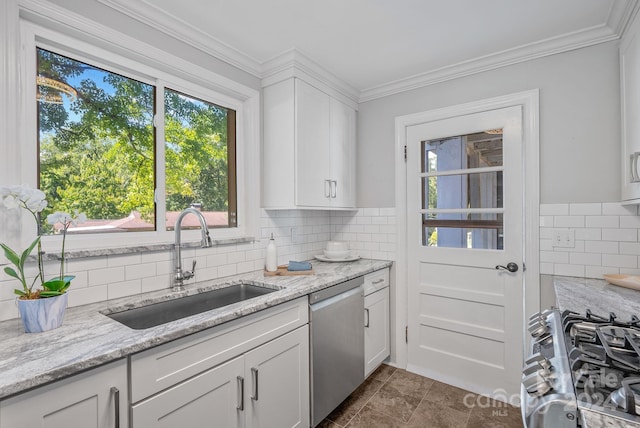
(45, 13)
(148, 13)
(294, 63)
(567, 42)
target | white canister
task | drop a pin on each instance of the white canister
(271, 262)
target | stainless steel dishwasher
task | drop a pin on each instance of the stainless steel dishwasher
(337, 345)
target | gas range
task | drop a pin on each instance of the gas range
(581, 365)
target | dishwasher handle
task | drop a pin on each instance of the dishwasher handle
(339, 289)
(342, 296)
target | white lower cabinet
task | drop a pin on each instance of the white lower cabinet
(91, 399)
(252, 373)
(266, 387)
(376, 320)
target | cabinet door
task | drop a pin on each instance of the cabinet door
(376, 332)
(277, 376)
(312, 146)
(630, 95)
(85, 400)
(215, 396)
(343, 142)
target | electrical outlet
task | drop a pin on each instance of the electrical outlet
(563, 238)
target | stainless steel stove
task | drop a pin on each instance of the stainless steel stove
(583, 367)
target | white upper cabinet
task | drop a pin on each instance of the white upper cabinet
(630, 96)
(309, 148)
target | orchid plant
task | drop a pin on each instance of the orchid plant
(34, 201)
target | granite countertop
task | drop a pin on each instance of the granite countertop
(578, 294)
(88, 338)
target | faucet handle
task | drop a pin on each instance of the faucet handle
(190, 274)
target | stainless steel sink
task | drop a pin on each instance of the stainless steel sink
(182, 307)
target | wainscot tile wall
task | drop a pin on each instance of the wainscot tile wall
(299, 235)
(589, 239)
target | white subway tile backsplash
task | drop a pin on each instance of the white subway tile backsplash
(601, 247)
(588, 234)
(620, 260)
(621, 235)
(603, 221)
(592, 259)
(554, 209)
(299, 234)
(569, 221)
(569, 270)
(614, 208)
(585, 209)
(606, 239)
(124, 289)
(106, 276)
(630, 248)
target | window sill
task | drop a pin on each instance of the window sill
(101, 252)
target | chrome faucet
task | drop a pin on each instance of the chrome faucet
(180, 275)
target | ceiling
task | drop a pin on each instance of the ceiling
(384, 46)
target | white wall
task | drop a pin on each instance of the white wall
(579, 124)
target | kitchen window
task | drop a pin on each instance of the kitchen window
(97, 149)
(133, 137)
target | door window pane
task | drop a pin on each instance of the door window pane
(462, 175)
(483, 231)
(200, 160)
(96, 145)
(476, 190)
(482, 149)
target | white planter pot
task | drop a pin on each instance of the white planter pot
(42, 314)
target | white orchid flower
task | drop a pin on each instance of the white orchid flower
(10, 202)
(59, 217)
(34, 200)
(80, 218)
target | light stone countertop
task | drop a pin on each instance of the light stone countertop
(88, 338)
(578, 294)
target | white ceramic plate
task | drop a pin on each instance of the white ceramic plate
(323, 258)
(628, 281)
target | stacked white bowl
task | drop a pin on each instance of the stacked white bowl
(337, 250)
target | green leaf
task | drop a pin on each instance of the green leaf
(19, 292)
(11, 255)
(45, 294)
(53, 285)
(28, 251)
(9, 271)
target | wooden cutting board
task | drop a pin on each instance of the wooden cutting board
(282, 271)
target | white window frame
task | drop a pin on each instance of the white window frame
(179, 75)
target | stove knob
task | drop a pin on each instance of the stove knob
(537, 361)
(542, 367)
(538, 329)
(536, 383)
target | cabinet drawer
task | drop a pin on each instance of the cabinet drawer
(166, 365)
(375, 281)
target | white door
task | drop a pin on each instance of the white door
(464, 219)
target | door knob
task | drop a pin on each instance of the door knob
(511, 267)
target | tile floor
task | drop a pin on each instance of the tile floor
(392, 398)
